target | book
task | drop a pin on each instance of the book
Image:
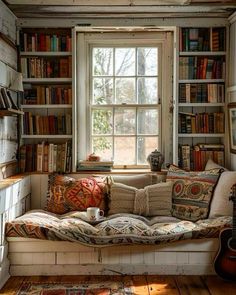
(2, 102)
(96, 163)
(6, 98)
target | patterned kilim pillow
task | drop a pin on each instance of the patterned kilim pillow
(192, 192)
(69, 194)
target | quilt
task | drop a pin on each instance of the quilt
(113, 230)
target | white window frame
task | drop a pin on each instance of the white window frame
(82, 121)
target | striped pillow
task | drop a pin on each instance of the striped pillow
(152, 200)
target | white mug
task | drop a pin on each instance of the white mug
(94, 213)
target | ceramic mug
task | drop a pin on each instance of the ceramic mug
(94, 213)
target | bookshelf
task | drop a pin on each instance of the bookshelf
(200, 106)
(46, 66)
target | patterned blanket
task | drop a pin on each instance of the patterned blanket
(113, 230)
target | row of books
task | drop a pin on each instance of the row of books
(202, 39)
(195, 39)
(195, 157)
(95, 165)
(47, 125)
(201, 122)
(44, 42)
(6, 100)
(48, 95)
(201, 92)
(46, 67)
(196, 67)
(46, 157)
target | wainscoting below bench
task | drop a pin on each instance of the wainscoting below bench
(41, 257)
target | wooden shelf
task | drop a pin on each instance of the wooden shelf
(201, 135)
(202, 53)
(10, 112)
(47, 136)
(47, 80)
(200, 104)
(202, 81)
(46, 53)
(46, 106)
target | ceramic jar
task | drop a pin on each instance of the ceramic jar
(155, 159)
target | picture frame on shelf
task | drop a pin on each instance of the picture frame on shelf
(232, 126)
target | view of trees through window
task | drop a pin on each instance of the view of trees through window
(124, 103)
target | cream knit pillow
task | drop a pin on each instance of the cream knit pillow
(153, 200)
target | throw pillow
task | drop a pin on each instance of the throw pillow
(192, 192)
(221, 205)
(69, 194)
(138, 181)
(150, 201)
(212, 165)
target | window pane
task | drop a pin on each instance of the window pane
(124, 121)
(124, 150)
(102, 90)
(125, 61)
(125, 90)
(102, 146)
(147, 121)
(146, 145)
(147, 61)
(147, 90)
(102, 61)
(102, 121)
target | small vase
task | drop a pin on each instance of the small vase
(155, 159)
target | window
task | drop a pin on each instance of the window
(124, 103)
(122, 97)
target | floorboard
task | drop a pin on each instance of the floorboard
(143, 285)
(191, 285)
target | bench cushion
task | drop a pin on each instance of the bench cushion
(116, 229)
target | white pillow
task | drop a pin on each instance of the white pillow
(212, 165)
(220, 204)
(153, 200)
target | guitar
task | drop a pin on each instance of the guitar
(225, 261)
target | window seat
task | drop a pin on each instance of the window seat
(40, 244)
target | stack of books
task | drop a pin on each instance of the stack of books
(95, 165)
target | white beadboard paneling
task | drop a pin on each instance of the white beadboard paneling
(25, 186)
(69, 258)
(8, 54)
(110, 257)
(35, 191)
(98, 269)
(4, 272)
(88, 257)
(7, 22)
(165, 258)
(200, 258)
(33, 245)
(3, 253)
(137, 257)
(43, 190)
(32, 258)
(182, 258)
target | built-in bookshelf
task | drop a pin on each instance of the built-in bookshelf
(201, 97)
(45, 58)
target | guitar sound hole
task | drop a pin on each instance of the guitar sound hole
(232, 244)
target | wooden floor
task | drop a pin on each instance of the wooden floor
(144, 285)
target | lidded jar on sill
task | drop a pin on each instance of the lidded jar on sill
(155, 160)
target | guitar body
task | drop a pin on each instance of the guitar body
(225, 261)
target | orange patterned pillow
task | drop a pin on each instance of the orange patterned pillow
(69, 194)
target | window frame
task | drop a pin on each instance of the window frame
(84, 43)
